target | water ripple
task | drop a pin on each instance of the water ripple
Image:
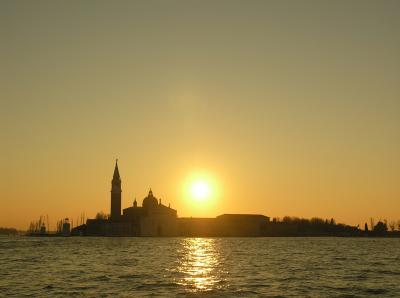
(189, 267)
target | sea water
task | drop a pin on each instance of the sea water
(213, 267)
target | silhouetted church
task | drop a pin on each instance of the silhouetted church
(152, 219)
(156, 219)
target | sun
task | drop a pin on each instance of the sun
(200, 190)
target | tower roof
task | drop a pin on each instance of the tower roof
(116, 171)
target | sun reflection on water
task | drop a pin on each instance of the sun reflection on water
(200, 265)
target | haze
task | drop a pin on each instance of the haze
(290, 107)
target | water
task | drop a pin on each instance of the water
(214, 267)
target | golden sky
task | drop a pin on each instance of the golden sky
(287, 107)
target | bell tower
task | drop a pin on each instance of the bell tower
(116, 191)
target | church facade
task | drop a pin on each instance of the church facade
(151, 219)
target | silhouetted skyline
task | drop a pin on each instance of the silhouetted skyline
(281, 108)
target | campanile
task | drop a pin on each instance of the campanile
(116, 195)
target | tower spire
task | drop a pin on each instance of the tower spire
(116, 171)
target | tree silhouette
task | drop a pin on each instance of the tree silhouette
(380, 229)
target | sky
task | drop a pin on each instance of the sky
(281, 107)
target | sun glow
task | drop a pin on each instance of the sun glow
(201, 187)
(200, 190)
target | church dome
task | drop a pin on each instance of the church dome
(150, 201)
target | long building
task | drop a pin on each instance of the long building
(155, 219)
